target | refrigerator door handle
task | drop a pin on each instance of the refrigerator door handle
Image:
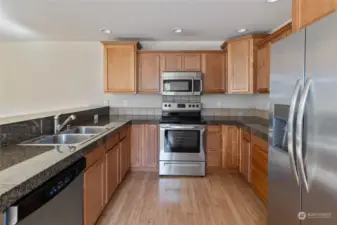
(290, 128)
(299, 132)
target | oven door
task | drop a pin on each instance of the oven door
(182, 142)
(177, 86)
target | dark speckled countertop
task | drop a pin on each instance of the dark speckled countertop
(24, 168)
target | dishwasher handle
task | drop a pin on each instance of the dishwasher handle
(39, 197)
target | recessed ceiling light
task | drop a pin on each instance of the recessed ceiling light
(271, 1)
(105, 31)
(177, 30)
(242, 30)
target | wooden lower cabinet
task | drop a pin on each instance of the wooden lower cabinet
(230, 148)
(144, 146)
(112, 172)
(0, 218)
(214, 146)
(93, 192)
(123, 158)
(259, 178)
(245, 155)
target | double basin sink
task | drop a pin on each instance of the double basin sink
(73, 136)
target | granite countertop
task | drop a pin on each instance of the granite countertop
(24, 168)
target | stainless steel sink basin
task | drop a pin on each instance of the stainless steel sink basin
(59, 139)
(85, 130)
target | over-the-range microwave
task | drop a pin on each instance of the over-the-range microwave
(181, 83)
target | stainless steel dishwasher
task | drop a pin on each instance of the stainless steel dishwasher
(58, 201)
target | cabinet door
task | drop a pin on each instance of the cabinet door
(93, 192)
(171, 62)
(214, 70)
(150, 147)
(246, 159)
(191, 62)
(112, 170)
(306, 12)
(120, 68)
(260, 184)
(214, 146)
(240, 76)
(148, 72)
(122, 159)
(263, 69)
(137, 139)
(230, 154)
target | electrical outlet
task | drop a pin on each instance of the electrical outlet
(125, 103)
(106, 102)
(219, 104)
(95, 118)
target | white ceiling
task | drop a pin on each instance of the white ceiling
(202, 20)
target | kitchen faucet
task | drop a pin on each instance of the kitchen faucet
(57, 126)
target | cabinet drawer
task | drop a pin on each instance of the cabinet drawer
(212, 129)
(123, 131)
(95, 155)
(260, 160)
(112, 141)
(260, 184)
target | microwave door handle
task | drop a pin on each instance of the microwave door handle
(192, 86)
(299, 132)
(290, 129)
(201, 86)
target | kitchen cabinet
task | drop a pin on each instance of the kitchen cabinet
(263, 69)
(94, 201)
(230, 147)
(259, 175)
(180, 61)
(123, 158)
(214, 146)
(120, 66)
(112, 172)
(148, 72)
(245, 155)
(214, 71)
(191, 62)
(144, 147)
(0, 218)
(241, 63)
(306, 12)
(264, 54)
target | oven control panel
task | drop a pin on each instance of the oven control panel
(188, 106)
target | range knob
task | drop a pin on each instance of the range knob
(165, 105)
(193, 106)
(169, 105)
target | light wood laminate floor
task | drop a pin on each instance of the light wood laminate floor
(221, 198)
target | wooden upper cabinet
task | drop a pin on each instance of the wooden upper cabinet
(263, 69)
(191, 62)
(214, 71)
(171, 62)
(180, 61)
(306, 12)
(148, 72)
(242, 62)
(240, 74)
(120, 66)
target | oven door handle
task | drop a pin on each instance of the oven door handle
(183, 127)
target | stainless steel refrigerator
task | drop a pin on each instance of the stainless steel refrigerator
(302, 175)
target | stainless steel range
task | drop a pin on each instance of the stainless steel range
(182, 140)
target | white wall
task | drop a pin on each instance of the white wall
(44, 76)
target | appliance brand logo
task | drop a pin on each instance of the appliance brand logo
(304, 215)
